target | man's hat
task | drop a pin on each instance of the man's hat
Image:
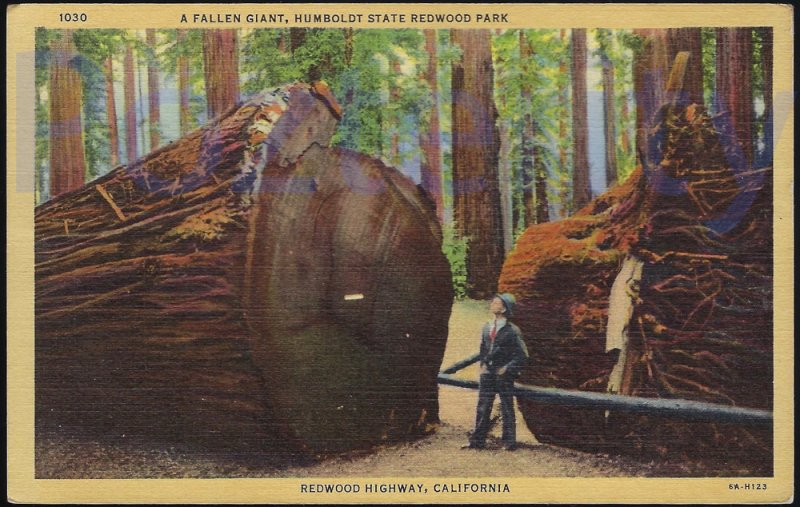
(509, 301)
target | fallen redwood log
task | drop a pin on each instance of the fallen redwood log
(243, 288)
(690, 235)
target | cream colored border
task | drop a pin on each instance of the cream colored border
(22, 487)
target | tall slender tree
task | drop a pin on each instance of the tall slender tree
(734, 94)
(430, 137)
(183, 83)
(605, 41)
(581, 192)
(528, 133)
(67, 157)
(563, 103)
(129, 86)
(153, 91)
(475, 156)
(111, 110)
(221, 67)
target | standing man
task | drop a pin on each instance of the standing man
(502, 356)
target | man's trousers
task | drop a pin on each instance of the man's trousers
(491, 385)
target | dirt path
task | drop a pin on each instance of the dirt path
(439, 455)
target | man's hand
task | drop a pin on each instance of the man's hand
(502, 371)
(484, 369)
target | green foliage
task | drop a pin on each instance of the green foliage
(455, 249)
(542, 77)
(42, 147)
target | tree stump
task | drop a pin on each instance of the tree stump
(208, 293)
(701, 325)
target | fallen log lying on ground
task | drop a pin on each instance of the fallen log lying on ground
(687, 241)
(243, 288)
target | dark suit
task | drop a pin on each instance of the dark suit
(506, 350)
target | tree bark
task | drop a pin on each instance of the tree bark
(430, 139)
(243, 288)
(563, 100)
(688, 39)
(67, 159)
(475, 153)
(610, 122)
(131, 148)
(734, 94)
(581, 191)
(650, 73)
(221, 68)
(540, 171)
(183, 84)
(153, 92)
(111, 111)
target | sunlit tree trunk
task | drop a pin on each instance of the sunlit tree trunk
(183, 85)
(130, 106)
(581, 192)
(67, 158)
(221, 67)
(153, 93)
(475, 155)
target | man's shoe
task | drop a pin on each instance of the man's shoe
(510, 447)
(472, 445)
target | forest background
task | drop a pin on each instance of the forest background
(535, 122)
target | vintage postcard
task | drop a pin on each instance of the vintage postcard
(417, 253)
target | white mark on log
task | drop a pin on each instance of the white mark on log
(353, 297)
(624, 293)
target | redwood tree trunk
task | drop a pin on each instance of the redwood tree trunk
(609, 122)
(67, 160)
(153, 93)
(581, 191)
(131, 148)
(243, 288)
(734, 93)
(475, 156)
(563, 101)
(650, 74)
(528, 133)
(688, 39)
(183, 85)
(221, 67)
(111, 110)
(430, 139)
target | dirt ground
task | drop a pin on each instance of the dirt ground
(439, 454)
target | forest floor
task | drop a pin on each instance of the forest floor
(438, 455)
